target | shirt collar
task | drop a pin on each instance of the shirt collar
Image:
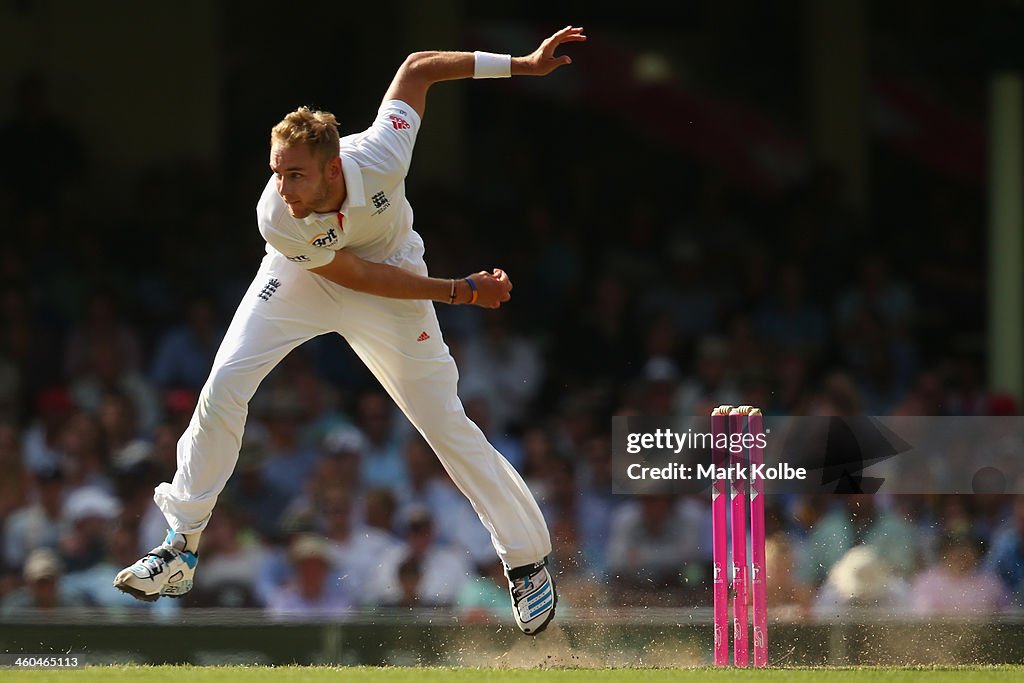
(355, 196)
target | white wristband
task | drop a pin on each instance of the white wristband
(490, 65)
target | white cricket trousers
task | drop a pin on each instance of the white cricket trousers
(286, 306)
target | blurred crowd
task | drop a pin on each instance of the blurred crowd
(660, 294)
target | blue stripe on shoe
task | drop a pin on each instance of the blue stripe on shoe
(536, 611)
(191, 559)
(542, 594)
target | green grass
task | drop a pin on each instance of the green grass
(190, 674)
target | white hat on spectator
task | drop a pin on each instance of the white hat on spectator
(344, 440)
(42, 563)
(660, 369)
(862, 575)
(91, 501)
(132, 455)
(307, 545)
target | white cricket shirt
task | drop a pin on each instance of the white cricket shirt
(375, 218)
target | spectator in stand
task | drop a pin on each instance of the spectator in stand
(561, 507)
(711, 379)
(1006, 554)
(260, 505)
(178, 406)
(13, 483)
(789, 597)
(792, 378)
(134, 475)
(314, 591)
(957, 585)
(105, 377)
(657, 387)
(483, 598)
(165, 440)
(40, 448)
(478, 409)
(838, 397)
(855, 521)
(184, 353)
(967, 394)
(430, 487)
(410, 575)
(231, 560)
(538, 455)
(84, 448)
(653, 539)
(289, 463)
(319, 403)
(685, 297)
(862, 578)
(789, 321)
(102, 327)
(120, 421)
(357, 549)
(382, 459)
(501, 362)
(28, 345)
(38, 524)
(926, 398)
(378, 509)
(442, 571)
(885, 363)
(877, 292)
(596, 503)
(88, 514)
(603, 327)
(330, 475)
(43, 589)
(554, 265)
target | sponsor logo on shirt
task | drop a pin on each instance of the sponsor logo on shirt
(398, 122)
(380, 202)
(269, 289)
(301, 258)
(324, 239)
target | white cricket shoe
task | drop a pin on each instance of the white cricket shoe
(533, 596)
(165, 570)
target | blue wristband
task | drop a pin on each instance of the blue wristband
(472, 287)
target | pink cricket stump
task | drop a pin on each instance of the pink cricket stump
(759, 580)
(738, 520)
(718, 540)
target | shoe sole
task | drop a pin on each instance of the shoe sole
(136, 593)
(175, 590)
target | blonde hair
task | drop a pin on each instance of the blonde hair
(317, 129)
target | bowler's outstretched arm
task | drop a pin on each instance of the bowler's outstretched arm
(420, 70)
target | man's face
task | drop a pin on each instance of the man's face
(44, 590)
(311, 573)
(301, 179)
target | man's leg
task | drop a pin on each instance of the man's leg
(422, 379)
(401, 343)
(283, 307)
